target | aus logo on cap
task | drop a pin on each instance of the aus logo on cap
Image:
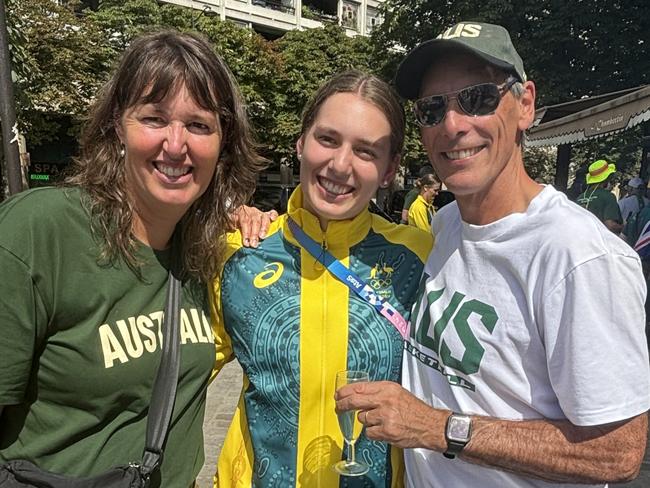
(461, 30)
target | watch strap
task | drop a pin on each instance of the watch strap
(453, 448)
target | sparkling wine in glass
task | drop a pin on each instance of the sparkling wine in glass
(350, 426)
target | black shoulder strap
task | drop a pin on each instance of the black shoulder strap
(164, 389)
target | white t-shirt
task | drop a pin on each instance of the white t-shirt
(537, 315)
(630, 205)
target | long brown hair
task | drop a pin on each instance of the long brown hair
(426, 180)
(371, 89)
(154, 66)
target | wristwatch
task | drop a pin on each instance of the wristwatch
(458, 432)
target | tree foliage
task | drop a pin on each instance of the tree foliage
(571, 49)
(254, 64)
(64, 60)
(71, 49)
(308, 58)
(20, 61)
(64, 51)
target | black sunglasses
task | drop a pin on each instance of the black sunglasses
(474, 100)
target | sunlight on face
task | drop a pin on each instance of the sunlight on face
(172, 148)
(345, 156)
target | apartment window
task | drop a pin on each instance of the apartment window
(239, 23)
(373, 19)
(350, 15)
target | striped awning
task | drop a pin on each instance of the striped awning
(589, 118)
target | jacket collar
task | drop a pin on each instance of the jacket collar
(340, 234)
(420, 197)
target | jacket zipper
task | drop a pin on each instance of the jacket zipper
(323, 344)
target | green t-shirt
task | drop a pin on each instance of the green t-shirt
(410, 198)
(81, 346)
(602, 203)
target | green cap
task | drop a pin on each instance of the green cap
(487, 41)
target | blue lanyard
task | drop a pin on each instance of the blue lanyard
(349, 278)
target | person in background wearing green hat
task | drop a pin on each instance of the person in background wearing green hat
(526, 362)
(598, 199)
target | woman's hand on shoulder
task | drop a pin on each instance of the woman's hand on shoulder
(253, 224)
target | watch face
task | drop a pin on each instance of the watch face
(458, 428)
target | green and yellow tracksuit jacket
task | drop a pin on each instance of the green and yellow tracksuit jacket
(292, 325)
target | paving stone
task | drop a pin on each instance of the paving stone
(223, 395)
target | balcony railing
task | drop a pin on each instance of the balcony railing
(313, 13)
(275, 5)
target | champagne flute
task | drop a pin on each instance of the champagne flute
(350, 426)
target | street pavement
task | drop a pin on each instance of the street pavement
(223, 395)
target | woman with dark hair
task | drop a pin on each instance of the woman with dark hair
(293, 325)
(167, 151)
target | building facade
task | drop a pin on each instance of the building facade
(272, 18)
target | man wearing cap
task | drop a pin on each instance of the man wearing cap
(635, 200)
(598, 199)
(520, 369)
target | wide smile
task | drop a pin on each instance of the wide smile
(334, 189)
(173, 173)
(461, 154)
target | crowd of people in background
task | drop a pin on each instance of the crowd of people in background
(625, 216)
(628, 217)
